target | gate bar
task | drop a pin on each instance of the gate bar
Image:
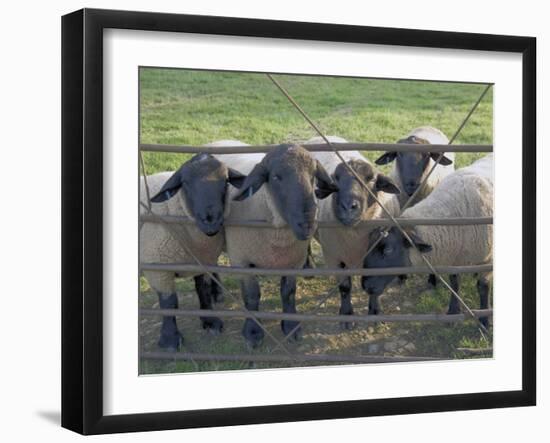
(196, 269)
(322, 147)
(397, 318)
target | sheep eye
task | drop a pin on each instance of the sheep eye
(276, 177)
(388, 250)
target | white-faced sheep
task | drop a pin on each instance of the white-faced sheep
(282, 184)
(411, 168)
(198, 190)
(466, 193)
(345, 246)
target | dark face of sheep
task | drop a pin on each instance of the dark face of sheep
(203, 181)
(412, 166)
(392, 251)
(352, 200)
(289, 173)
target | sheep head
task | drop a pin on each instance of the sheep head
(290, 175)
(203, 183)
(412, 166)
(352, 200)
(391, 251)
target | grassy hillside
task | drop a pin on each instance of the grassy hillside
(197, 107)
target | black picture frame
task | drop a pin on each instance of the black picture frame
(82, 219)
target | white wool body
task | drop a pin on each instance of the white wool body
(175, 243)
(329, 159)
(346, 246)
(466, 193)
(264, 247)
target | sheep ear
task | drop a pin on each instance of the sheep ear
(253, 182)
(418, 242)
(445, 161)
(386, 158)
(235, 177)
(325, 185)
(386, 184)
(170, 188)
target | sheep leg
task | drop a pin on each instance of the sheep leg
(288, 297)
(454, 304)
(310, 262)
(374, 305)
(216, 289)
(170, 336)
(346, 307)
(252, 331)
(483, 291)
(203, 287)
(432, 280)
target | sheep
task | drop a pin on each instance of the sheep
(345, 247)
(198, 189)
(279, 188)
(411, 168)
(468, 192)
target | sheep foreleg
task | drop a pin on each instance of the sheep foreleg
(288, 297)
(170, 337)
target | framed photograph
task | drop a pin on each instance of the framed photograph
(269, 221)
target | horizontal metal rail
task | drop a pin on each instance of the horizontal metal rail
(451, 221)
(397, 318)
(397, 147)
(198, 269)
(282, 358)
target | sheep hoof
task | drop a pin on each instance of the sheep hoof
(485, 322)
(171, 343)
(373, 311)
(292, 330)
(252, 333)
(212, 324)
(347, 325)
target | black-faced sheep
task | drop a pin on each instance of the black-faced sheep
(410, 168)
(466, 193)
(198, 189)
(345, 247)
(279, 188)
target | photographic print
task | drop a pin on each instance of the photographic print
(304, 220)
(288, 221)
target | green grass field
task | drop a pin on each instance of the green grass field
(197, 107)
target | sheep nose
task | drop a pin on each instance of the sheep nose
(350, 205)
(211, 218)
(303, 225)
(304, 229)
(410, 187)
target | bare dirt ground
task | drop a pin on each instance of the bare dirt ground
(428, 339)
